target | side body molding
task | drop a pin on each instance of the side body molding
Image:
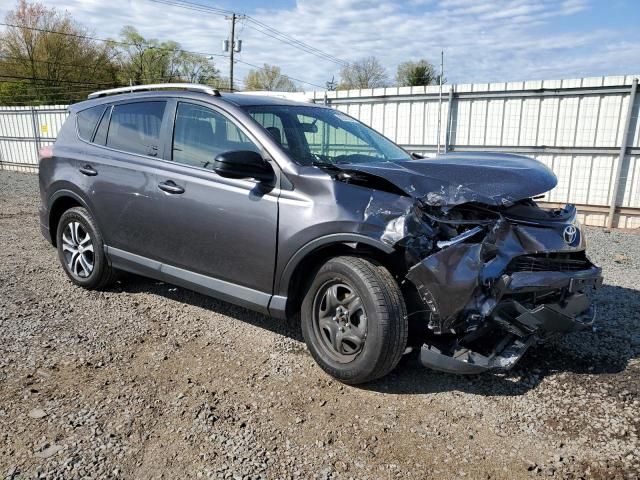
(226, 291)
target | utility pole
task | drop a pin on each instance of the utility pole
(232, 46)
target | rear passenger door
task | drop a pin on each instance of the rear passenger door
(117, 172)
(218, 227)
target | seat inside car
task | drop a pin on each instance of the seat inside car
(275, 133)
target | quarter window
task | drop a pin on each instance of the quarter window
(87, 120)
(135, 127)
(200, 134)
(100, 137)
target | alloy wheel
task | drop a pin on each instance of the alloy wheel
(77, 248)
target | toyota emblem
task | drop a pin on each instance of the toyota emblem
(570, 234)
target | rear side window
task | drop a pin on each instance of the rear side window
(87, 121)
(135, 127)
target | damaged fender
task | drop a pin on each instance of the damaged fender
(493, 271)
(447, 280)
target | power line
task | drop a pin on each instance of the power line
(55, 81)
(282, 74)
(43, 82)
(288, 39)
(194, 6)
(44, 86)
(259, 27)
(27, 60)
(41, 89)
(82, 86)
(97, 39)
(135, 45)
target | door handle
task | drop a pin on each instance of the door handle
(88, 170)
(170, 187)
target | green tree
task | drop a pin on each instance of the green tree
(40, 66)
(415, 74)
(269, 78)
(364, 73)
(145, 60)
(46, 57)
(195, 68)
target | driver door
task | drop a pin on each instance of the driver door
(220, 228)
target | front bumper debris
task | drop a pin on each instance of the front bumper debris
(469, 362)
(521, 327)
(488, 301)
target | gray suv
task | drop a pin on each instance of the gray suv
(300, 211)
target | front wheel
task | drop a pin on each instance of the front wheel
(354, 320)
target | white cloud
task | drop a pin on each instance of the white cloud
(484, 40)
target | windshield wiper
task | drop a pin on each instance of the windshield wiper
(318, 163)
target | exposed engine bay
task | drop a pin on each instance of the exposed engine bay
(487, 271)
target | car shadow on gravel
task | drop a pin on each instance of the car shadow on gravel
(606, 351)
(131, 283)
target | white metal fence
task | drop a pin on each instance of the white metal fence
(574, 126)
(23, 130)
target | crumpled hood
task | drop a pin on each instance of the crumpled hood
(456, 178)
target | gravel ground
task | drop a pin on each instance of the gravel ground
(146, 380)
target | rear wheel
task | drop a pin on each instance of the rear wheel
(354, 320)
(81, 250)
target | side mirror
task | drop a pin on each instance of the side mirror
(309, 127)
(243, 164)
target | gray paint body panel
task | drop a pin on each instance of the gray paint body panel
(221, 231)
(226, 291)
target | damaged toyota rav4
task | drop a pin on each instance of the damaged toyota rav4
(300, 211)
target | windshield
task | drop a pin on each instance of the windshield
(324, 136)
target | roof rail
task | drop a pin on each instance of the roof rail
(194, 87)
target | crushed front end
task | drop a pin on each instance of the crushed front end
(499, 280)
(486, 272)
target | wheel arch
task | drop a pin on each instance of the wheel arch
(60, 202)
(302, 266)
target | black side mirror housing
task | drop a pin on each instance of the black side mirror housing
(243, 164)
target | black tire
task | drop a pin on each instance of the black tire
(100, 274)
(384, 312)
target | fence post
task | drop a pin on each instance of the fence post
(36, 131)
(622, 154)
(447, 133)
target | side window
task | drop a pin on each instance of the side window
(200, 134)
(87, 121)
(135, 127)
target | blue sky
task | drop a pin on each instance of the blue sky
(483, 40)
